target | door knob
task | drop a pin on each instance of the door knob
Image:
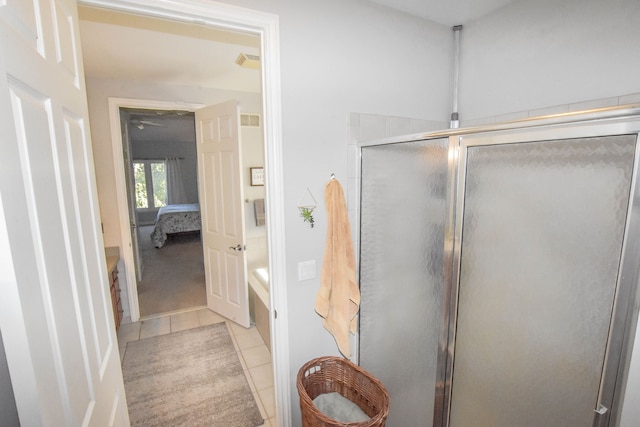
(238, 248)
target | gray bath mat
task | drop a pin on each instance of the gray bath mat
(188, 378)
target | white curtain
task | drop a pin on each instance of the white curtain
(175, 188)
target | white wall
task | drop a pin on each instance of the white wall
(543, 53)
(337, 57)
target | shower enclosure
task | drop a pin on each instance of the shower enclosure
(498, 271)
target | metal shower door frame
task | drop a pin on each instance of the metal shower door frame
(624, 318)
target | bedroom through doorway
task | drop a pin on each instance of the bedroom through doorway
(160, 147)
(161, 169)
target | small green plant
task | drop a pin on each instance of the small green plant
(307, 215)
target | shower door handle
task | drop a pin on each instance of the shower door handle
(238, 248)
(601, 410)
(602, 419)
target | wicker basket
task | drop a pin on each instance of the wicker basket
(335, 374)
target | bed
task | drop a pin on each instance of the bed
(175, 219)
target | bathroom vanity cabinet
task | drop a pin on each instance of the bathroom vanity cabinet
(114, 286)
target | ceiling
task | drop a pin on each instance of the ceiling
(447, 12)
(119, 45)
(159, 125)
(135, 47)
(140, 48)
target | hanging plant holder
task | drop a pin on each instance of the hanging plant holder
(307, 215)
(306, 205)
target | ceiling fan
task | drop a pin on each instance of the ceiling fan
(140, 124)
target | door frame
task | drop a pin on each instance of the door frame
(265, 25)
(130, 187)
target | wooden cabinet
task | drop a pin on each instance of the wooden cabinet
(115, 296)
(113, 256)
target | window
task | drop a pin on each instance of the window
(150, 179)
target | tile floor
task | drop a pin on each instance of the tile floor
(252, 352)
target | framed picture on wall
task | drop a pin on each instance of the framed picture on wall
(257, 176)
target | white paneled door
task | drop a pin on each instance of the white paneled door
(55, 307)
(220, 187)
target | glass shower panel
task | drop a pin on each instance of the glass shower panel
(542, 234)
(403, 213)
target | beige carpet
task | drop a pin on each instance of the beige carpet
(187, 379)
(173, 276)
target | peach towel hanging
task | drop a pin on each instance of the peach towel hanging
(338, 298)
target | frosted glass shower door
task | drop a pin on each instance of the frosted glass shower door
(403, 213)
(542, 232)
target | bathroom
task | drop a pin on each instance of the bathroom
(315, 132)
(548, 60)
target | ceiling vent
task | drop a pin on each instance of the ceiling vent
(251, 120)
(247, 60)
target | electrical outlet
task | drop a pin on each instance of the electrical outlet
(306, 270)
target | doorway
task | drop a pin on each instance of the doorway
(161, 169)
(266, 27)
(160, 59)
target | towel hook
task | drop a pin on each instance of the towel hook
(333, 176)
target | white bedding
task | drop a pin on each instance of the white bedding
(175, 219)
